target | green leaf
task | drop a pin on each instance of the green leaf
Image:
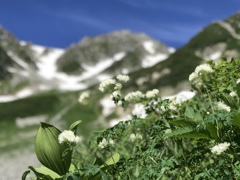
(112, 160)
(45, 171)
(229, 100)
(212, 130)
(238, 90)
(236, 120)
(74, 126)
(188, 132)
(39, 174)
(183, 122)
(189, 112)
(195, 135)
(49, 151)
(25, 174)
(179, 131)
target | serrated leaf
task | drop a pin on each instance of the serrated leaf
(195, 135)
(49, 151)
(112, 160)
(236, 120)
(183, 122)
(188, 132)
(179, 131)
(198, 116)
(74, 126)
(212, 130)
(189, 112)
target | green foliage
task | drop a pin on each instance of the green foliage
(195, 139)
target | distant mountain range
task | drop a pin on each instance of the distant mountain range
(43, 84)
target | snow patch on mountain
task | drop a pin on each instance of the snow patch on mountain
(215, 55)
(181, 96)
(151, 60)
(29, 121)
(149, 47)
(171, 49)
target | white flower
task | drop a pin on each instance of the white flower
(173, 105)
(218, 149)
(115, 94)
(68, 136)
(123, 78)
(111, 142)
(203, 67)
(104, 143)
(118, 86)
(134, 96)
(192, 76)
(119, 103)
(134, 137)
(106, 83)
(233, 93)
(238, 81)
(139, 111)
(83, 97)
(222, 106)
(152, 94)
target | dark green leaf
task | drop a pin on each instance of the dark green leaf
(236, 120)
(238, 90)
(183, 123)
(212, 130)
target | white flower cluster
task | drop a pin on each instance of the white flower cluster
(238, 81)
(173, 105)
(152, 94)
(84, 97)
(103, 85)
(115, 94)
(192, 76)
(106, 83)
(104, 143)
(118, 86)
(134, 137)
(218, 149)
(233, 94)
(68, 136)
(222, 106)
(123, 78)
(202, 67)
(134, 96)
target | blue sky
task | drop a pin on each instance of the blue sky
(59, 23)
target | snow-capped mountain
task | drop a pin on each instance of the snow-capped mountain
(76, 68)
